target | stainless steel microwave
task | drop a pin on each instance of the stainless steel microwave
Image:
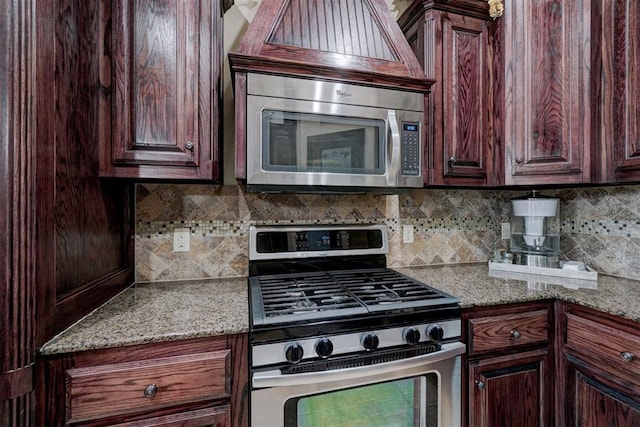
(315, 135)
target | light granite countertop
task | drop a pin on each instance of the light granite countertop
(474, 286)
(159, 311)
(168, 311)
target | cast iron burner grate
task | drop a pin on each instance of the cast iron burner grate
(301, 296)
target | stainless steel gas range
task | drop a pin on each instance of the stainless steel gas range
(339, 339)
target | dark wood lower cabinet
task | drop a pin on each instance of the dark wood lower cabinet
(200, 382)
(209, 417)
(511, 390)
(509, 368)
(542, 364)
(600, 367)
(592, 403)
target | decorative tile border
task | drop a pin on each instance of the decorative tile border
(616, 228)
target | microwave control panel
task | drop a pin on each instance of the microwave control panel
(410, 148)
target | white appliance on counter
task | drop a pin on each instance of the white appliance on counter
(535, 230)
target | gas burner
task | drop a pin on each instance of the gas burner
(304, 304)
(337, 299)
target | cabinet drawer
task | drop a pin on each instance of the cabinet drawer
(137, 386)
(612, 350)
(507, 331)
(217, 416)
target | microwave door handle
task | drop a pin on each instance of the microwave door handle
(394, 155)
(275, 378)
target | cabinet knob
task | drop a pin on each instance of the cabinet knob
(627, 357)
(516, 334)
(519, 159)
(189, 145)
(150, 390)
(480, 385)
(453, 160)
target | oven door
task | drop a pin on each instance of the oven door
(292, 142)
(420, 391)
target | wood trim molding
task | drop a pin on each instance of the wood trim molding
(17, 382)
(17, 219)
(363, 44)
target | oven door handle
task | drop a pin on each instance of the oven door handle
(275, 378)
(394, 156)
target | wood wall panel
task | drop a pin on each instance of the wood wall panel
(345, 27)
(84, 252)
(348, 41)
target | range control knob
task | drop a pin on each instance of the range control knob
(435, 332)
(324, 347)
(370, 341)
(411, 335)
(294, 353)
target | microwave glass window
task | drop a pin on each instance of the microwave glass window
(407, 402)
(303, 142)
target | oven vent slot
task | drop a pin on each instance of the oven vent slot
(360, 360)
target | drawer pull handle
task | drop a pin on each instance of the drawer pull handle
(150, 391)
(480, 385)
(516, 334)
(627, 357)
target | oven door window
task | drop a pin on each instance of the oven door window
(407, 402)
(304, 142)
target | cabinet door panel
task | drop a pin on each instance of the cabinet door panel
(591, 403)
(466, 79)
(453, 43)
(547, 91)
(621, 90)
(165, 93)
(156, 81)
(510, 390)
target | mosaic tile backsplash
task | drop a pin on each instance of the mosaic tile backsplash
(600, 226)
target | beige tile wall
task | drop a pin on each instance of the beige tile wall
(600, 226)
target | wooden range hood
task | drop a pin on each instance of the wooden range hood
(356, 41)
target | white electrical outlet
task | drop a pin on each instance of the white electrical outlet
(407, 233)
(506, 230)
(181, 239)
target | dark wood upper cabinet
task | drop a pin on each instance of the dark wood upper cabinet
(547, 84)
(161, 63)
(617, 157)
(452, 41)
